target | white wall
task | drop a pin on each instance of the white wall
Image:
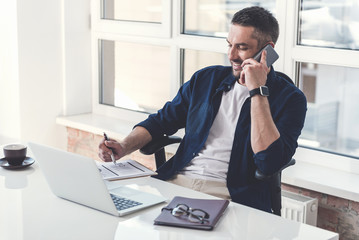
(77, 57)
(44, 68)
(9, 82)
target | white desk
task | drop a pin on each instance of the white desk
(29, 210)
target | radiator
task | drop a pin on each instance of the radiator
(299, 208)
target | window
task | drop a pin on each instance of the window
(329, 23)
(145, 50)
(138, 11)
(332, 115)
(131, 74)
(324, 56)
(193, 60)
(133, 18)
(212, 18)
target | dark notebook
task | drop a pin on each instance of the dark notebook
(215, 209)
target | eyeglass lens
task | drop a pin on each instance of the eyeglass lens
(194, 215)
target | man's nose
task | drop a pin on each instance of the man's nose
(232, 54)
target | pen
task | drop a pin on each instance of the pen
(112, 156)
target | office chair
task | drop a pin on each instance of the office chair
(158, 148)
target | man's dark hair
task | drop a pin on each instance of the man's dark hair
(265, 24)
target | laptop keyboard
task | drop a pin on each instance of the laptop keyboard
(123, 203)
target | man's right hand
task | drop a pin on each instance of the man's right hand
(138, 138)
(107, 147)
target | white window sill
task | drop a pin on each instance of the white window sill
(97, 124)
(323, 179)
(326, 173)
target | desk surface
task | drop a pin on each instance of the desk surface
(29, 210)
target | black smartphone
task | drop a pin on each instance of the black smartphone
(272, 55)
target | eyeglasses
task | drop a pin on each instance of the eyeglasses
(194, 214)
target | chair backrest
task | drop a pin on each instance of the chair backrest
(275, 182)
(158, 148)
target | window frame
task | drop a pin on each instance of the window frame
(294, 54)
(287, 14)
(175, 40)
(148, 29)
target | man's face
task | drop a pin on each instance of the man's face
(241, 45)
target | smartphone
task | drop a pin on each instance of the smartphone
(272, 55)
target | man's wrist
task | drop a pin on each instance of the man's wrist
(262, 91)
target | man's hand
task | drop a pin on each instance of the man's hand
(254, 74)
(263, 130)
(107, 147)
(138, 138)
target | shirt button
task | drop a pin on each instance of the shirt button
(193, 154)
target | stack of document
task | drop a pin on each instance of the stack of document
(123, 169)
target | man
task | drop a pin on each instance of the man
(230, 128)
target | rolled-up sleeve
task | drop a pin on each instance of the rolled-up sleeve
(289, 120)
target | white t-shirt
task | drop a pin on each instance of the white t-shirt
(212, 161)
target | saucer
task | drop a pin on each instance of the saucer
(27, 162)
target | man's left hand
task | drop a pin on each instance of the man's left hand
(254, 74)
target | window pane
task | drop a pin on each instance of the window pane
(140, 11)
(193, 60)
(331, 122)
(329, 23)
(212, 18)
(134, 76)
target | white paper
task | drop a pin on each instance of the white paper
(123, 169)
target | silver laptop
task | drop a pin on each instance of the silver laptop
(77, 178)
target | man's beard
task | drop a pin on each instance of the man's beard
(236, 77)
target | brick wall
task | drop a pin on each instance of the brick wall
(334, 213)
(86, 144)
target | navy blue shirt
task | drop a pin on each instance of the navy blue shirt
(195, 107)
